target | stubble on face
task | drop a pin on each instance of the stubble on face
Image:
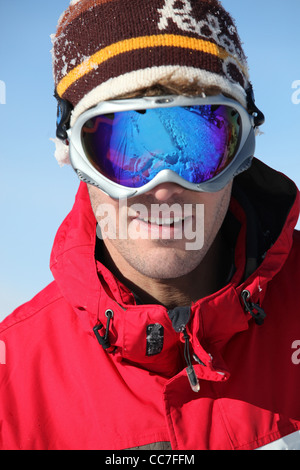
(160, 259)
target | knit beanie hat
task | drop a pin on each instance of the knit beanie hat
(104, 49)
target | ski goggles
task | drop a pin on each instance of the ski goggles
(127, 147)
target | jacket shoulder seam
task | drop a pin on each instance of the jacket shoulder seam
(29, 311)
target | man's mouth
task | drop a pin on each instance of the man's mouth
(160, 225)
(163, 221)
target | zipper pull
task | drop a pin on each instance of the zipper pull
(193, 379)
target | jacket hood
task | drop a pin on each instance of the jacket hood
(265, 209)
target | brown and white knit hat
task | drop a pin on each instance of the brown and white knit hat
(104, 49)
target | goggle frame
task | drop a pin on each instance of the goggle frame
(88, 173)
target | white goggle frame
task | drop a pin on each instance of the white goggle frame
(87, 173)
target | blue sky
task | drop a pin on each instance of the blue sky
(36, 194)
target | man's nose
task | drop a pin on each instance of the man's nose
(166, 191)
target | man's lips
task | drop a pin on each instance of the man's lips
(167, 221)
(165, 225)
(159, 219)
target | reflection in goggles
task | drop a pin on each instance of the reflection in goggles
(132, 147)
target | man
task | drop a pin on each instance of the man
(172, 322)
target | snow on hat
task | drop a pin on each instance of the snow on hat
(104, 49)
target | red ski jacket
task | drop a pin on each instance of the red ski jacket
(75, 378)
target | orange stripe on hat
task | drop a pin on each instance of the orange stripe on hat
(163, 40)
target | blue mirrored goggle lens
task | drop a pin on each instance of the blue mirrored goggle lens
(132, 147)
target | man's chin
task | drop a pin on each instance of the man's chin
(163, 261)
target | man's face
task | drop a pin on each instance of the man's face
(162, 234)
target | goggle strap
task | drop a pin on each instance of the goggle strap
(64, 109)
(258, 116)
